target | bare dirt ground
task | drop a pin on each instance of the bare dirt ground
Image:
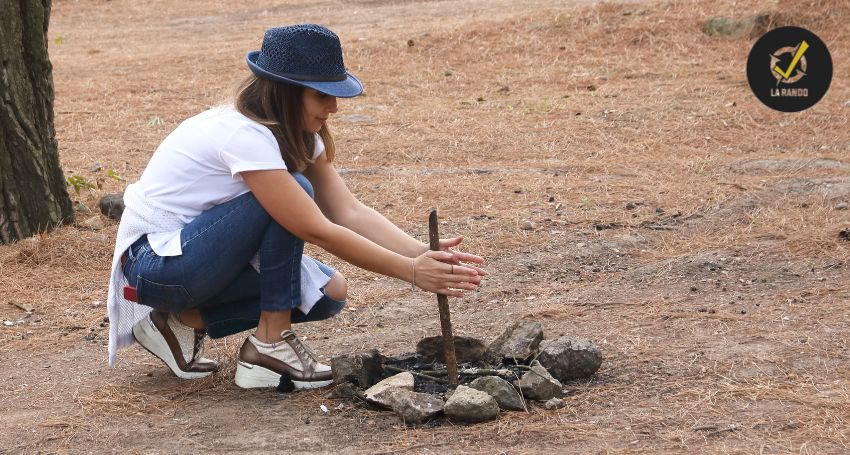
(676, 221)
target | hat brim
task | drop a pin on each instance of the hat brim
(347, 88)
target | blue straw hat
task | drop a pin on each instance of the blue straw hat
(308, 55)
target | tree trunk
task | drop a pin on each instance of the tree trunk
(33, 191)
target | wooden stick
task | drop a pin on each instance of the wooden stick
(443, 303)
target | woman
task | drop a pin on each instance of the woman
(213, 232)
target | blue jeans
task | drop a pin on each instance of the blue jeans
(214, 276)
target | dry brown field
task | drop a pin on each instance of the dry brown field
(686, 228)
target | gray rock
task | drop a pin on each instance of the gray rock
(538, 384)
(504, 393)
(112, 205)
(413, 407)
(81, 207)
(570, 358)
(751, 26)
(376, 395)
(94, 223)
(520, 341)
(554, 403)
(842, 206)
(362, 369)
(469, 405)
(466, 349)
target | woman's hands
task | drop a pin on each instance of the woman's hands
(444, 272)
(458, 257)
(433, 272)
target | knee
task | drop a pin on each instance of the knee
(305, 184)
(337, 288)
(251, 209)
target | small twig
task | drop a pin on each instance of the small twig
(660, 227)
(731, 427)
(735, 185)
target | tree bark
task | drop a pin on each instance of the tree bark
(33, 191)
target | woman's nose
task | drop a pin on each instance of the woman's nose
(332, 107)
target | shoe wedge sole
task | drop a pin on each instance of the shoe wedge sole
(250, 376)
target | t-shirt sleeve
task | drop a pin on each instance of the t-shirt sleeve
(319, 148)
(250, 148)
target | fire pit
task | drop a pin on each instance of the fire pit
(513, 372)
(459, 376)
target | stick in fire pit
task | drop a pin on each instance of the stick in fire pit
(443, 302)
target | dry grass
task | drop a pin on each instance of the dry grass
(729, 308)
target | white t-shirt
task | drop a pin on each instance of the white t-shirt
(197, 167)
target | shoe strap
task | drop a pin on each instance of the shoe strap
(198, 350)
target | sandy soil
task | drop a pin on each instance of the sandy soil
(676, 221)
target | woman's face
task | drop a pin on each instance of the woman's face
(317, 108)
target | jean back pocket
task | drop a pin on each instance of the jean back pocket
(172, 298)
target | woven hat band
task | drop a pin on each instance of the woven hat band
(315, 78)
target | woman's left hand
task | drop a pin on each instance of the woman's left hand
(458, 257)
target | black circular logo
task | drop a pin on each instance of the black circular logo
(789, 69)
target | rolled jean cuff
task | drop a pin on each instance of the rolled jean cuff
(325, 308)
(232, 318)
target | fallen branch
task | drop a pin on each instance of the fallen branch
(437, 374)
(417, 374)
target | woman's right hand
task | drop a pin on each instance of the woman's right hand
(432, 273)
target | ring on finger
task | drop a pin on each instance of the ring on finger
(453, 269)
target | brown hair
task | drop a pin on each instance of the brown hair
(280, 108)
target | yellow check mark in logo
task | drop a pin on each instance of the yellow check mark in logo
(801, 49)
